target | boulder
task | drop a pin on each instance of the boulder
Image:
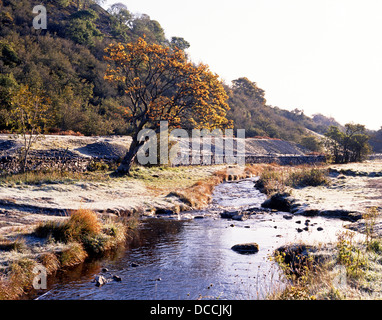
(163, 211)
(296, 257)
(240, 217)
(117, 278)
(228, 214)
(279, 201)
(247, 248)
(345, 215)
(100, 281)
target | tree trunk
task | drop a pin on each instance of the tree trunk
(129, 158)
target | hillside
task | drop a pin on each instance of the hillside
(66, 63)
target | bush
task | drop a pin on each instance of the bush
(311, 143)
(97, 166)
(307, 177)
(271, 181)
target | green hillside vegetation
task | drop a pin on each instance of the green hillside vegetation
(376, 140)
(66, 63)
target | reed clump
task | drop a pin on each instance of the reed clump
(85, 228)
(18, 278)
(276, 178)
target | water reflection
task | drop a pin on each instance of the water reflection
(176, 260)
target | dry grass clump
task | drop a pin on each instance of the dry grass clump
(306, 177)
(271, 180)
(50, 261)
(199, 194)
(81, 224)
(19, 277)
(85, 228)
(17, 245)
(82, 234)
(275, 179)
(73, 255)
(196, 196)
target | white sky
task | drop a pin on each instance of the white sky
(322, 56)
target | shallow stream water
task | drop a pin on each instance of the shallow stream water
(183, 258)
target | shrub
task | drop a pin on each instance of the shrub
(307, 177)
(370, 221)
(97, 166)
(271, 181)
(350, 256)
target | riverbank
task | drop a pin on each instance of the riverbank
(339, 191)
(349, 268)
(32, 202)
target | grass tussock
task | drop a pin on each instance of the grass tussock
(307, 177)
(276, 178)
(82, 235)
(85, 228)
(50, 261)
(73, 255)
(18, 279)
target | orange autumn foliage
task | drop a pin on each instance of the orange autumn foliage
(162, 85)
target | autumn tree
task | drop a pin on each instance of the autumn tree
(28, 118)
(162, 85)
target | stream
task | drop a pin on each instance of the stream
(190, 256)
